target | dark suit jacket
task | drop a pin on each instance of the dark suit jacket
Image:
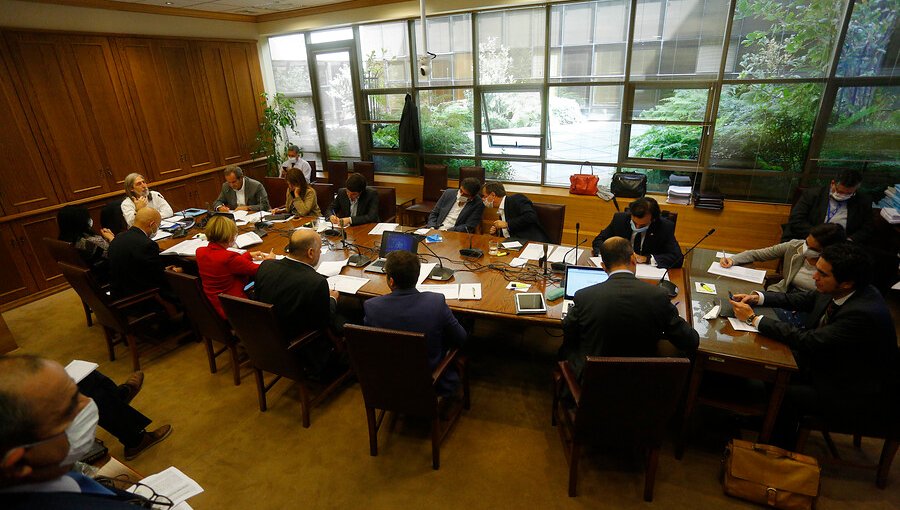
(299, 293)
(135, 264)
(366, 209)
(812, 208)
(67, 501)
(469, 216)
(851, 359)
(660, 241)
(420, 312)
(622, 316)
(522, 220)
(254, 194)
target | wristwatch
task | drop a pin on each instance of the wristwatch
(750, 319)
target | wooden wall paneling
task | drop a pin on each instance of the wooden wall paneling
(94, 72)
(16, 282)
(71, 154)
(248, 87)
(26, 183)
(178, 194)
(207, 189)
(160, 141)
(43, 268)
(219, 79)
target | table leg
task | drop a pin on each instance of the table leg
(781, 384)
(690, 401)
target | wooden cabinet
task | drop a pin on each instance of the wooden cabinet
(16, 281)
(32, 232)
(198, 192)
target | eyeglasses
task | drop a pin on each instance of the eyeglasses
(146, 497)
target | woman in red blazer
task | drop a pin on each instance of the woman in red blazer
(223, 271)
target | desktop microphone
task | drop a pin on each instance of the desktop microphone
(670, 288)
(474, 253)
(358, 260)
(331, 231)
(560, 267)
(209, 214)
(440, 272)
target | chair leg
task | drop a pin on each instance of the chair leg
(436, 443)
(304, 401)
(650, 473)
(857, 440)
(557, 385)
(832, 448)
(373, 432)
(235, 365)
(802, 437)
(573, 468)
(888, 451)
(260, 389)
(135, 357)
(467, 401)
(210, 355)
(109, 343)
(87, 314)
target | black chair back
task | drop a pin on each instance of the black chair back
(552, 217)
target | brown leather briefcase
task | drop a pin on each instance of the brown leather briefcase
(770, 476)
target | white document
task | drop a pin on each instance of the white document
(182, 506)
(896, 286)
(382, 228)
(722, 254)
(518, 262)
(712, 314)
(705, 288)
(596, 261)
(324, 225)
(331, 267)
(533, 251)
(346, 284)
(741, 273)
(565, 251)
(277, 257)
(255, 217)
(741, 326)
(422, 231)
(469, 291)
(171, 483)
(424, 269)
(78, 369)
(511, 245)
(648, 272)
(240, 215)
(187, 248)
(680, 190)
(247, 239)
(161, 234)
(450, 291)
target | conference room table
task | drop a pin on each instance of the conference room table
(724, 350)
(492, 272)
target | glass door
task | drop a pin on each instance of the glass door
(335, 78)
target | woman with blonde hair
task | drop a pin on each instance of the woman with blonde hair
(223, 271)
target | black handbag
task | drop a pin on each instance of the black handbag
(627, 185)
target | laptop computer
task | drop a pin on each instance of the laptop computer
(577, 278)
(392, 241)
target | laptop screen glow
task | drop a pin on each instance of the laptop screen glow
(578, 277)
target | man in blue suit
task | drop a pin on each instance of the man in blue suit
(458, 210)
(407, 309)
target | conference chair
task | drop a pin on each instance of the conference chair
(125, 320)
(552, 217)
(434, 181)
(366, 169)
(669, 215)
(619, 401)
(337, 173)
(472, 171)
(276, 189)
(324, 195)
(205, 321)
(387, 203)
(271, 351)
(62, 251)
(312, 173)
(392, 369)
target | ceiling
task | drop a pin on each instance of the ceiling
(248, 7)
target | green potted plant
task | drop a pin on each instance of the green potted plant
(272, 136)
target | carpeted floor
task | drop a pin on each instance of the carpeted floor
(502, 454)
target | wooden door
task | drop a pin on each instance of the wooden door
(94, 73)
(70, 154)
(207, 189)
(16, 281)
(178, 194)
(219, 79)
(26, 184)
(245, 96)
(43, 268)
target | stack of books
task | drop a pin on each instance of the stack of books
(891, 197)
(712, 200)
(891, 215)
(680, 190)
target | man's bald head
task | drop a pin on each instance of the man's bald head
(617, 253)
(147, 219)
(305, 245)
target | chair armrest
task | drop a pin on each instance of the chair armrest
(569, 377)
(445, 363)
(303, 339)
(134, 299)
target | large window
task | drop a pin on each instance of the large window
(450, 40)
(587, 40)
(385, 55)
(511, 46)
(290, 68)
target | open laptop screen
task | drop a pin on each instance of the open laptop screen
(579, 277)
(393, 241)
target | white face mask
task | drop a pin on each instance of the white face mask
(292, 160)
(635, 229)
(840, 197)
(81, 433)
(809, 253)
(90, 222)
(487, 203)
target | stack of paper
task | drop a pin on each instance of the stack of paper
(555, 253)
(382, 228)
(891, 215)
(78, 369)
(171, 483)
(186, 248)
(424, 271)
(277, 257)
(161, 234)
(648, 272)
(679, 195)
(346, 284)
(461, 291)
(741, 273)
(331, 267)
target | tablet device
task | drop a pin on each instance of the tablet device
(530, 302)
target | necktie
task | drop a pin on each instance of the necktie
(830, 310)
(638, 239)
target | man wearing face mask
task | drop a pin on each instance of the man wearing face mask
(517, 217)
(840, 202)
(458, 210)
(652, 238)
(294, 161)
(46, 424)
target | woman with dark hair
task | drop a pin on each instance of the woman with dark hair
(301, 197)
(111, 217)
(76, 227)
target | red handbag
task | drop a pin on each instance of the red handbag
(583, 184)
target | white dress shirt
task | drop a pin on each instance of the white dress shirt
(241, 199)
(504, 232)
(302, 164)
(453, 215)
(836, 212)
(154, 200)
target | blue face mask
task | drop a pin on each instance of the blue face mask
(637, 230)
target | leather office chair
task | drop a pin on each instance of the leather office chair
(324, 195)
(122, 320)
(312, 173)
(387, 203)
(620, 400)
(669, 215)
(271, 351)
(206, 322)
(472, 171)
(433, 183)
(392, 369)
(366, 169)
(552, 217)
(276, 189)
(337, 173)
(62, 251)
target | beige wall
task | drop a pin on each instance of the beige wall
(15, 14)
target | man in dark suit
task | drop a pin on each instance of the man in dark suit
(407, 309)
(840, 202)
(846, 351)
(356, 204)
(241, 193)
(458, 210)
(650, 235)
(46, 424)
(517, 216)
(134, 261)
(301, 297)
(622, 316)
